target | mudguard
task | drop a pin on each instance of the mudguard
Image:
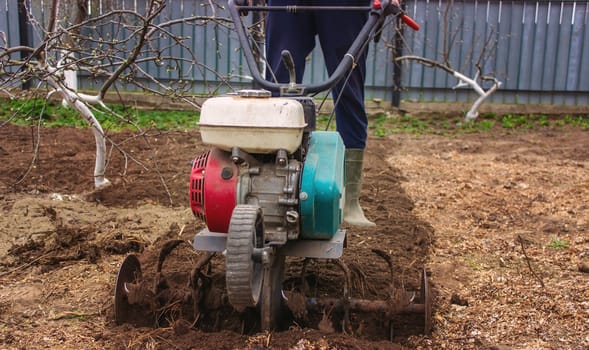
(322, 186)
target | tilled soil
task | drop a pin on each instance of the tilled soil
(499, 221)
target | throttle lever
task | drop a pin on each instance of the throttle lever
(292, 89)
(290, 67)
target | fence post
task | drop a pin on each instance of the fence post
(23, 32)
(397, 52)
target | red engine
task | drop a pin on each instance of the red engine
(213, 189)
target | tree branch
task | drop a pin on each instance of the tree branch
(521, 242)
(483, 95)
(153, 12)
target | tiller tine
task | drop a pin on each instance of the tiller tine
(399, 302)
(201, 284)
(161, 283)
(132, 298)
(141, 302)
(172, 302)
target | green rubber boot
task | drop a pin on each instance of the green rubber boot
(353, 213)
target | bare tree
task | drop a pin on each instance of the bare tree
(477, 59)
(112, 47)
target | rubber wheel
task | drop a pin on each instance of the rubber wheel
(244, 273)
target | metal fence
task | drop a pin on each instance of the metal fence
(541, 51)
(538, 49)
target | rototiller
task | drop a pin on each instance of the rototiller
(270, 187)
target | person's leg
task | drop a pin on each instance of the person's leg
(337, 31)
(288, 31)
(336, 35)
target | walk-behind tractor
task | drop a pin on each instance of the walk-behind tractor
(270, 186)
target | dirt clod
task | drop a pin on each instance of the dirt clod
(458, 300)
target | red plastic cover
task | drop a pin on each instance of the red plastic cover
(213, 189)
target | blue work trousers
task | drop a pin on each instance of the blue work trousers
(336, 31)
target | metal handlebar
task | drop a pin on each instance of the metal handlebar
(377, 14)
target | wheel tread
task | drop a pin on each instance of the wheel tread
(239, 264)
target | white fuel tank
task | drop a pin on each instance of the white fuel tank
(252, 121)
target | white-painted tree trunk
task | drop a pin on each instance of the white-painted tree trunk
(473, 112)
(78, 102)
(65, 82)
(71, 79)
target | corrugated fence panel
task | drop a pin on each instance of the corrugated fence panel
(8, 27)
(538, 49)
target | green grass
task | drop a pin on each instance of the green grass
(383, 125)
(580, 121)
(558, 244)
(513, 121)
(325, 122)
(27, 112)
